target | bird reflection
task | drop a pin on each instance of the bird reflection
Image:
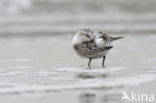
(99, 97)
(87, 98)
(91, 75)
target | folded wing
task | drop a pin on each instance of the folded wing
(89, 49)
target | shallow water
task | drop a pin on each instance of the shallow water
(38, 64)
(35, 68)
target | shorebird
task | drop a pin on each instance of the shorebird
(85, 46)
(102, 39)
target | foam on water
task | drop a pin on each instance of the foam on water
(14, 73)
(76, 83)
(15, 60)
(91, 84)
(22, 67)
(81, 70)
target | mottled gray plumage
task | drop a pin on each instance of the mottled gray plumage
(89, 49)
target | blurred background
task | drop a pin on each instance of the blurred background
(31, 29)
(37, 59)
(42, 17)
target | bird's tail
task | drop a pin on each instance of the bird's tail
(115, 38)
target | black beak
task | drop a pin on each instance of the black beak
(108, 47)
(104, 38)
(115, 38)
(92, 40)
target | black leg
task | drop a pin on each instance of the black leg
(90, 59)
(103, 62)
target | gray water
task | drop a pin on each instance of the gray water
(38, 64)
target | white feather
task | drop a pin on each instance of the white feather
(101, 43)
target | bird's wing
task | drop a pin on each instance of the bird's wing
(94, 48)
(89, 49)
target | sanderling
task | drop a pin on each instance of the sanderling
(102, 39)
(85, 46)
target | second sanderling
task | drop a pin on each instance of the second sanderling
(85, 46)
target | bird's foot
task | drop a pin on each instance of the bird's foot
(103, 66)
(89, 67)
